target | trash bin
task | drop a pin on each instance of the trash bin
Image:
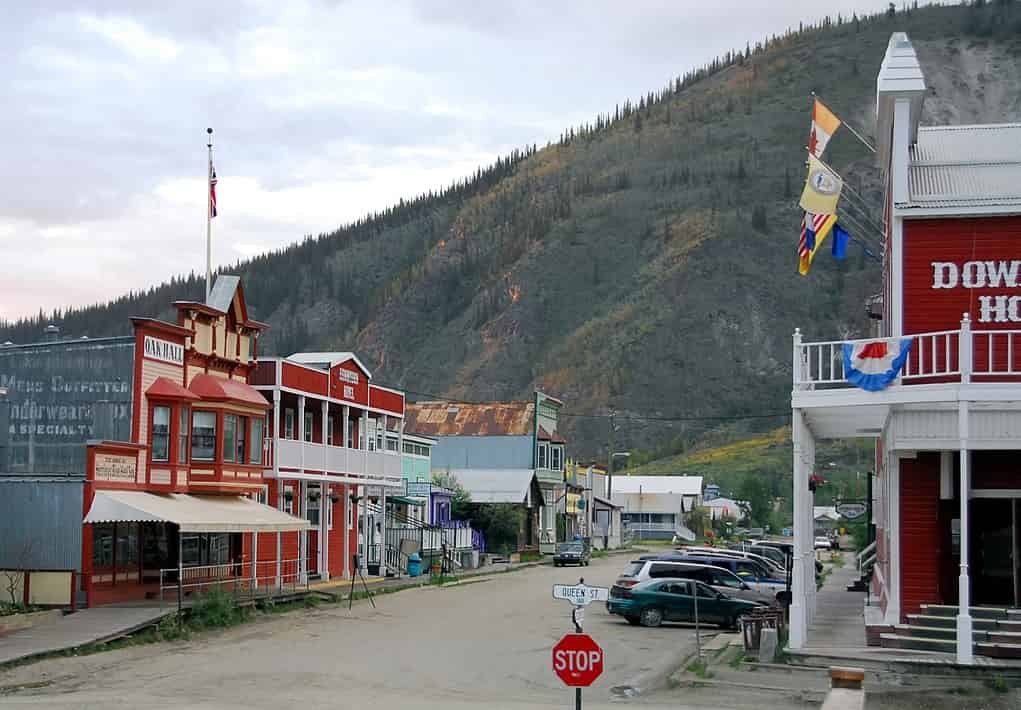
(752, 625)
(414, 565)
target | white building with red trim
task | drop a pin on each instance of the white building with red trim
(947, 487)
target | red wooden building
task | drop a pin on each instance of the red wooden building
(947, 486)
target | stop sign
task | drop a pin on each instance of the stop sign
(577, 660)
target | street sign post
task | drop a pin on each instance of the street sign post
(577, 658)
(580, 594)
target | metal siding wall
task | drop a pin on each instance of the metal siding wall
(47, 514)
(482, 452)
(61, 395)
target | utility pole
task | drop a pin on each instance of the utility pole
(609, 452)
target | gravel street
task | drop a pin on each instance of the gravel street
(481, 644)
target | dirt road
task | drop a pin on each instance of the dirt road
(484, 644)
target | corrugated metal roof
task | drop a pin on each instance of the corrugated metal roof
(484, 419)
(676, 485)
(222, 293)
(966, 166)
(505, 485)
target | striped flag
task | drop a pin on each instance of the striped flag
(212, 191)
(814, 228)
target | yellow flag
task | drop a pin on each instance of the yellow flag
(822, 188)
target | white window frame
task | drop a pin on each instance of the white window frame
(556, 457)
(310, 421)
(289, 419)
(543, 458)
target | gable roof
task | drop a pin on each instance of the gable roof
(481, 419)
(505, 485)
(648, 485)
(329, 360)
(226, 291)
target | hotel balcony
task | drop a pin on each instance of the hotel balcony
(943, 368)
(336, 464)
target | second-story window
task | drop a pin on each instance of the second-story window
(289, 424)
(255, 445)
(161, 433)
(230, 425)
(182, 434)
(371, 427)
(241, 446)
(329, 430)
(309, 419)
(203, 436)
(379, 435)
(557, 458)
(543, 456)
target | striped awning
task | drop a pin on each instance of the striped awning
(192, 513)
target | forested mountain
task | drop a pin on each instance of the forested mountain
(644, 262)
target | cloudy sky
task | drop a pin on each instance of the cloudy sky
(322, 112)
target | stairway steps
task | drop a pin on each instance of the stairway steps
(998, 650)
(936, 632)
(977, 612)
(1008, 637)
(917, 643)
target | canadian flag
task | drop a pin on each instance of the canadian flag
(874, 364)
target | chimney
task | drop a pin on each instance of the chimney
(900, 89)
(51, 333)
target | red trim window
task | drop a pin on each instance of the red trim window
(203, 435)
(160, 435)
(255, 445)
(183, 417)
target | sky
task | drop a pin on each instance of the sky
(322, 112)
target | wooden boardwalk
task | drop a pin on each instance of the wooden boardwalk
(96, 625)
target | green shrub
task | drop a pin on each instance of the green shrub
(215, 608)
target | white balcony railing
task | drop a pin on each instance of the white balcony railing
(939, 356)
(340, 460)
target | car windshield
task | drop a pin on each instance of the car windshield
(570, 547)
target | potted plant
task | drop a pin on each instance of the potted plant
(288, 495)
(334, 498)
(313, 495)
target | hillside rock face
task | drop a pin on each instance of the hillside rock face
(645, 264)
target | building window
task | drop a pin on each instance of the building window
(329, 430)
(409, 448)
(255, 445)
(203, 436)
(391, 444)
(543, 456)
(161, 434)
(372, 434)
(242, 434)
(230, 425)
(557, 458)
(309, 419)
(380, 431)
(198, 549)
(182, 435)
(102, 545)
(312, 502)
(289, 424)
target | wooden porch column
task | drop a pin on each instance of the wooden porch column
(964, 625)
(301, 494)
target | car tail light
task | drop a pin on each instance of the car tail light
(626, 582)
(619, 592)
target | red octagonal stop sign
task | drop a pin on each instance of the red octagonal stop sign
(577, 660)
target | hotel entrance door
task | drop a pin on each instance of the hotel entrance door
(995, 541)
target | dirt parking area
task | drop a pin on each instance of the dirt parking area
(481, 644)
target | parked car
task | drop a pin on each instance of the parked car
(672, 599)
(719, 579)
(756, 533)
(777, 570)
(770, 553)
(755, 574)
(822, 543)
(572, 553)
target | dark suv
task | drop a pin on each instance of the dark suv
(576, 552)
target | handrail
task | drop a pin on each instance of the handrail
(868, 549)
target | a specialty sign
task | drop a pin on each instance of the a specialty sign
(580, 594)
(852, 511)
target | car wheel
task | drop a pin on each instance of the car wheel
(634, 621)
(651, 617)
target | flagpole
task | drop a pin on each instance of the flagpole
(209, 215)
(850, 128)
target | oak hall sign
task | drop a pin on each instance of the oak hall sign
(163, 350)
